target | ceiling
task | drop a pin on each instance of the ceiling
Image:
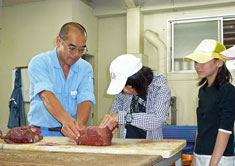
(92, 3)
(107, 3)
(107, 7)
(6, 3)
(99, 6)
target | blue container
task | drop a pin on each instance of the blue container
(187, 133)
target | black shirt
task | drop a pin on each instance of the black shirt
(215, 111)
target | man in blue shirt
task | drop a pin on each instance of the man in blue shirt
(61, 85)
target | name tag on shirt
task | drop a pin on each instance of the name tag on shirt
(73, 93)
(91, 78)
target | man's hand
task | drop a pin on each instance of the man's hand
(71, 128)
(110, 120)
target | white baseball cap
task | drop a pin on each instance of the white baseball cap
(229, 53)
(120, 69)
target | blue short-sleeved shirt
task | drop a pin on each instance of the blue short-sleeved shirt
(45, 73)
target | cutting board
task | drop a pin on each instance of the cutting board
(165, 148)
(43, 158)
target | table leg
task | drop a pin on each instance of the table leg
(179, 162)
(168, 161)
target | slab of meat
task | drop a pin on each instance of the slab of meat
(95, 136)
(24, 134)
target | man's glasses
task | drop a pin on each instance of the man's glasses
(73, 48)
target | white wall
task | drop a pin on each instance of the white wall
(84, 15)
(111, 43)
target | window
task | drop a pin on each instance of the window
(185, 35)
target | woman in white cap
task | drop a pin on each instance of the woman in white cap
(216, 106)
(142, 99)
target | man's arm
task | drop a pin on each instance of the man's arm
(83, 112)
(70, 126)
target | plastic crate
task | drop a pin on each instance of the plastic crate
(186, 160)
(187, 133)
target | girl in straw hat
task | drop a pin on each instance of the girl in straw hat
(216, 106)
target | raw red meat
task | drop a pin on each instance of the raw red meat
(95, 136)
(24, 134)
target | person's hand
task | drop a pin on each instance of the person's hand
(71, 128)
(212, 163)
(193, 161)
(115, 129)
(110, 120)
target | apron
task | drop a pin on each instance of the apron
(204, 160)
